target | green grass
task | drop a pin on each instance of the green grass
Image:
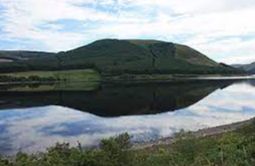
(67, 80)
(66, 75)
(236, 148)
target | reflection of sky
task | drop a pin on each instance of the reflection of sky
(36, 128)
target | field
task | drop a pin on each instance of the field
(34, 81)
(64, 75)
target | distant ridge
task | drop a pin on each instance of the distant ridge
(250, 68)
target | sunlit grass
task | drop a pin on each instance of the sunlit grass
(67, 75)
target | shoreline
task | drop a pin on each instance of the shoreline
(160, 78)
(207, 132)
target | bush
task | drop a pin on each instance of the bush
(112, 152)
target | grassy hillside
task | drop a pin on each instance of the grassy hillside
(178, 51)
(111, 56)
(141, 56)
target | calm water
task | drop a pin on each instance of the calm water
(33, 121)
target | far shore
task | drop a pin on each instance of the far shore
(141, 78)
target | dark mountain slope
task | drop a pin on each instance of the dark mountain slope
(25, 60)
(23, 55)
(250, 68)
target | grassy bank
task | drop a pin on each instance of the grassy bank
(65, 80)
(82, 80)
(233, 148)
(64, 75)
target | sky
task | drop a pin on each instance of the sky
(224, 30)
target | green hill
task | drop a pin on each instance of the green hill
(112, 56)
(141, 56)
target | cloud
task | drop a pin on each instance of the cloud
(22, 18)
(215, 27)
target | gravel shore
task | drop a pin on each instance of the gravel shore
(213, 131)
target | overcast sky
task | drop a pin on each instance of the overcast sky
(222, 29)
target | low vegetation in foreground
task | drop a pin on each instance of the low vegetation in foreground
(236, 148)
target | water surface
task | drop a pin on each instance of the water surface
(31, 122)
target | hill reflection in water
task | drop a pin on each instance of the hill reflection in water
(112, 100)
(34, 129)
